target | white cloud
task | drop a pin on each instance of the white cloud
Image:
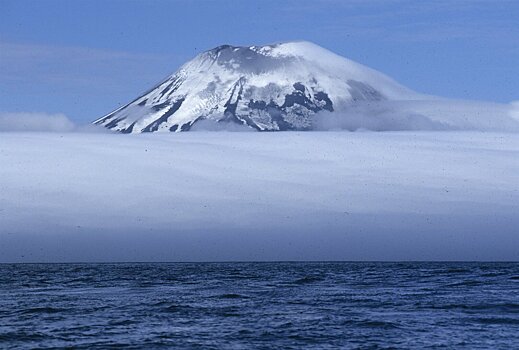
(256, 196)
(427, 115)
(441, 114)
(32, 121)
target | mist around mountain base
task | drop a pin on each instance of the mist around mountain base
(424, 115)
(213, 196)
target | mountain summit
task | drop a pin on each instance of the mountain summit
(267, 88)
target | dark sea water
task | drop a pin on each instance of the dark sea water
(260, 305)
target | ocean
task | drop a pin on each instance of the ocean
(313, 305)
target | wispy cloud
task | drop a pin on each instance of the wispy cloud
(412, 21)
(22, 62)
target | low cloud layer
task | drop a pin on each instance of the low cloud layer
(259, 196)
(43, 122)
(425, 115)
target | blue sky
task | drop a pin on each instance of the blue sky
(85, 58)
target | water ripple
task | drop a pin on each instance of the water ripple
(260, 305)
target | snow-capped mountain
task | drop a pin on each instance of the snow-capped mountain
(273, 87)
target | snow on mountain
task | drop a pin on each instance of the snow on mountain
(273, 87)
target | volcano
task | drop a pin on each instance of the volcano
(265, 88)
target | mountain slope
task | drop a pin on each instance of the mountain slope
(274, 87)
